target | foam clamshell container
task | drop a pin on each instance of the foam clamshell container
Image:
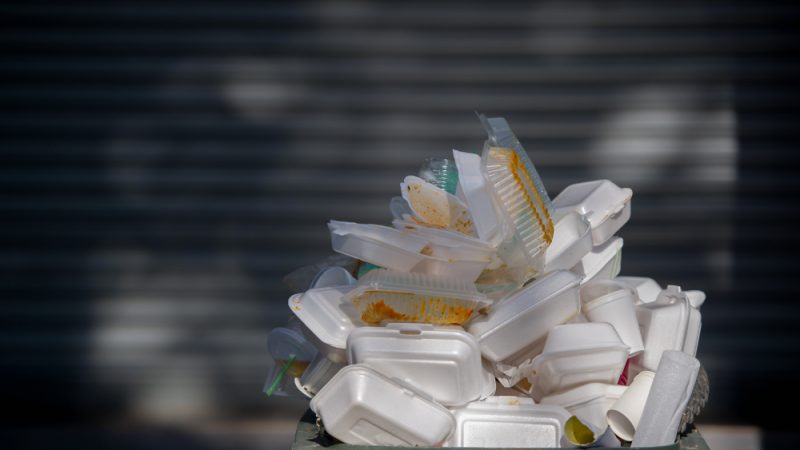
(444, 362)
(361, 406)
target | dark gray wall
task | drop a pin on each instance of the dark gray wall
(164, 165)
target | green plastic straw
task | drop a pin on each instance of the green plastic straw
(277, 381)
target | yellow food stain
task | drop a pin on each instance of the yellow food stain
(296, 369)
(515, 168)
(525, 385)
(513, 401)
(434, 310)
(577, 432)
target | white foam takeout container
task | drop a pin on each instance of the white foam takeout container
(508, 422)
(572, 240)
(329, 318)
(403, 251)
(520, 320)
(383, 296)
(436, 207)
(672, 322)
(589, 402)
(603, 262)
(359, 406)
(478, 196)
(647, 289)
(444, 362)
(577, 354)
(614, 303)
(603, 203)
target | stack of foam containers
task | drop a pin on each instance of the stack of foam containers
(478, 330)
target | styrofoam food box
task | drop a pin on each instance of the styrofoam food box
(669, 323)
(605, 205)
(508, 422)
(328, 316)
(572, 240)
(647, 289)
(401, 251)
(383, 296)
(436, 207)
(361, 406)
(525, 317)
(377, 244)
(602, 263)
(576, 354)
(478, 196)
(444, 362)
(589, 402)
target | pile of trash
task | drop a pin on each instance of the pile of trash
(488, 315)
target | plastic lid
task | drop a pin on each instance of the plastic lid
(417, 283)
(598, 293)
(284, 344)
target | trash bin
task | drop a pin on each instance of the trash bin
(310, 437)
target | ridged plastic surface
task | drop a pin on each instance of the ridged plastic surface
(387, 296)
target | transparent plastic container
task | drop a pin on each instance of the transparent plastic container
(523, 206)
(386, 296)
(444, 362)
(440, 172)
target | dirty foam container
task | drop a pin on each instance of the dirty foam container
(603, 203)
(577, 354)
(647, 289)
(669, 323)
(361, 406)
(589, 402)
(328, 316)
(383, 296)
(436, 207)
(572, 240)
(444, 362)
(525, 317)
(508, 422)
(602, 263)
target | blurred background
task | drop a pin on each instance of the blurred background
(165, 164)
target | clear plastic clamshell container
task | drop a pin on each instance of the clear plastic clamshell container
(604, 262)
(519, 193)
(328, 316)
(516, 323)
(386, 296)
(362, 407)
(671, 322)
(436, 207)
(508, 422)
(589, 402)
(572, 240)
(577, 354)
(603, 203)
(444, 362)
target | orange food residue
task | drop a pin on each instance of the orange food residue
(426, 310)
